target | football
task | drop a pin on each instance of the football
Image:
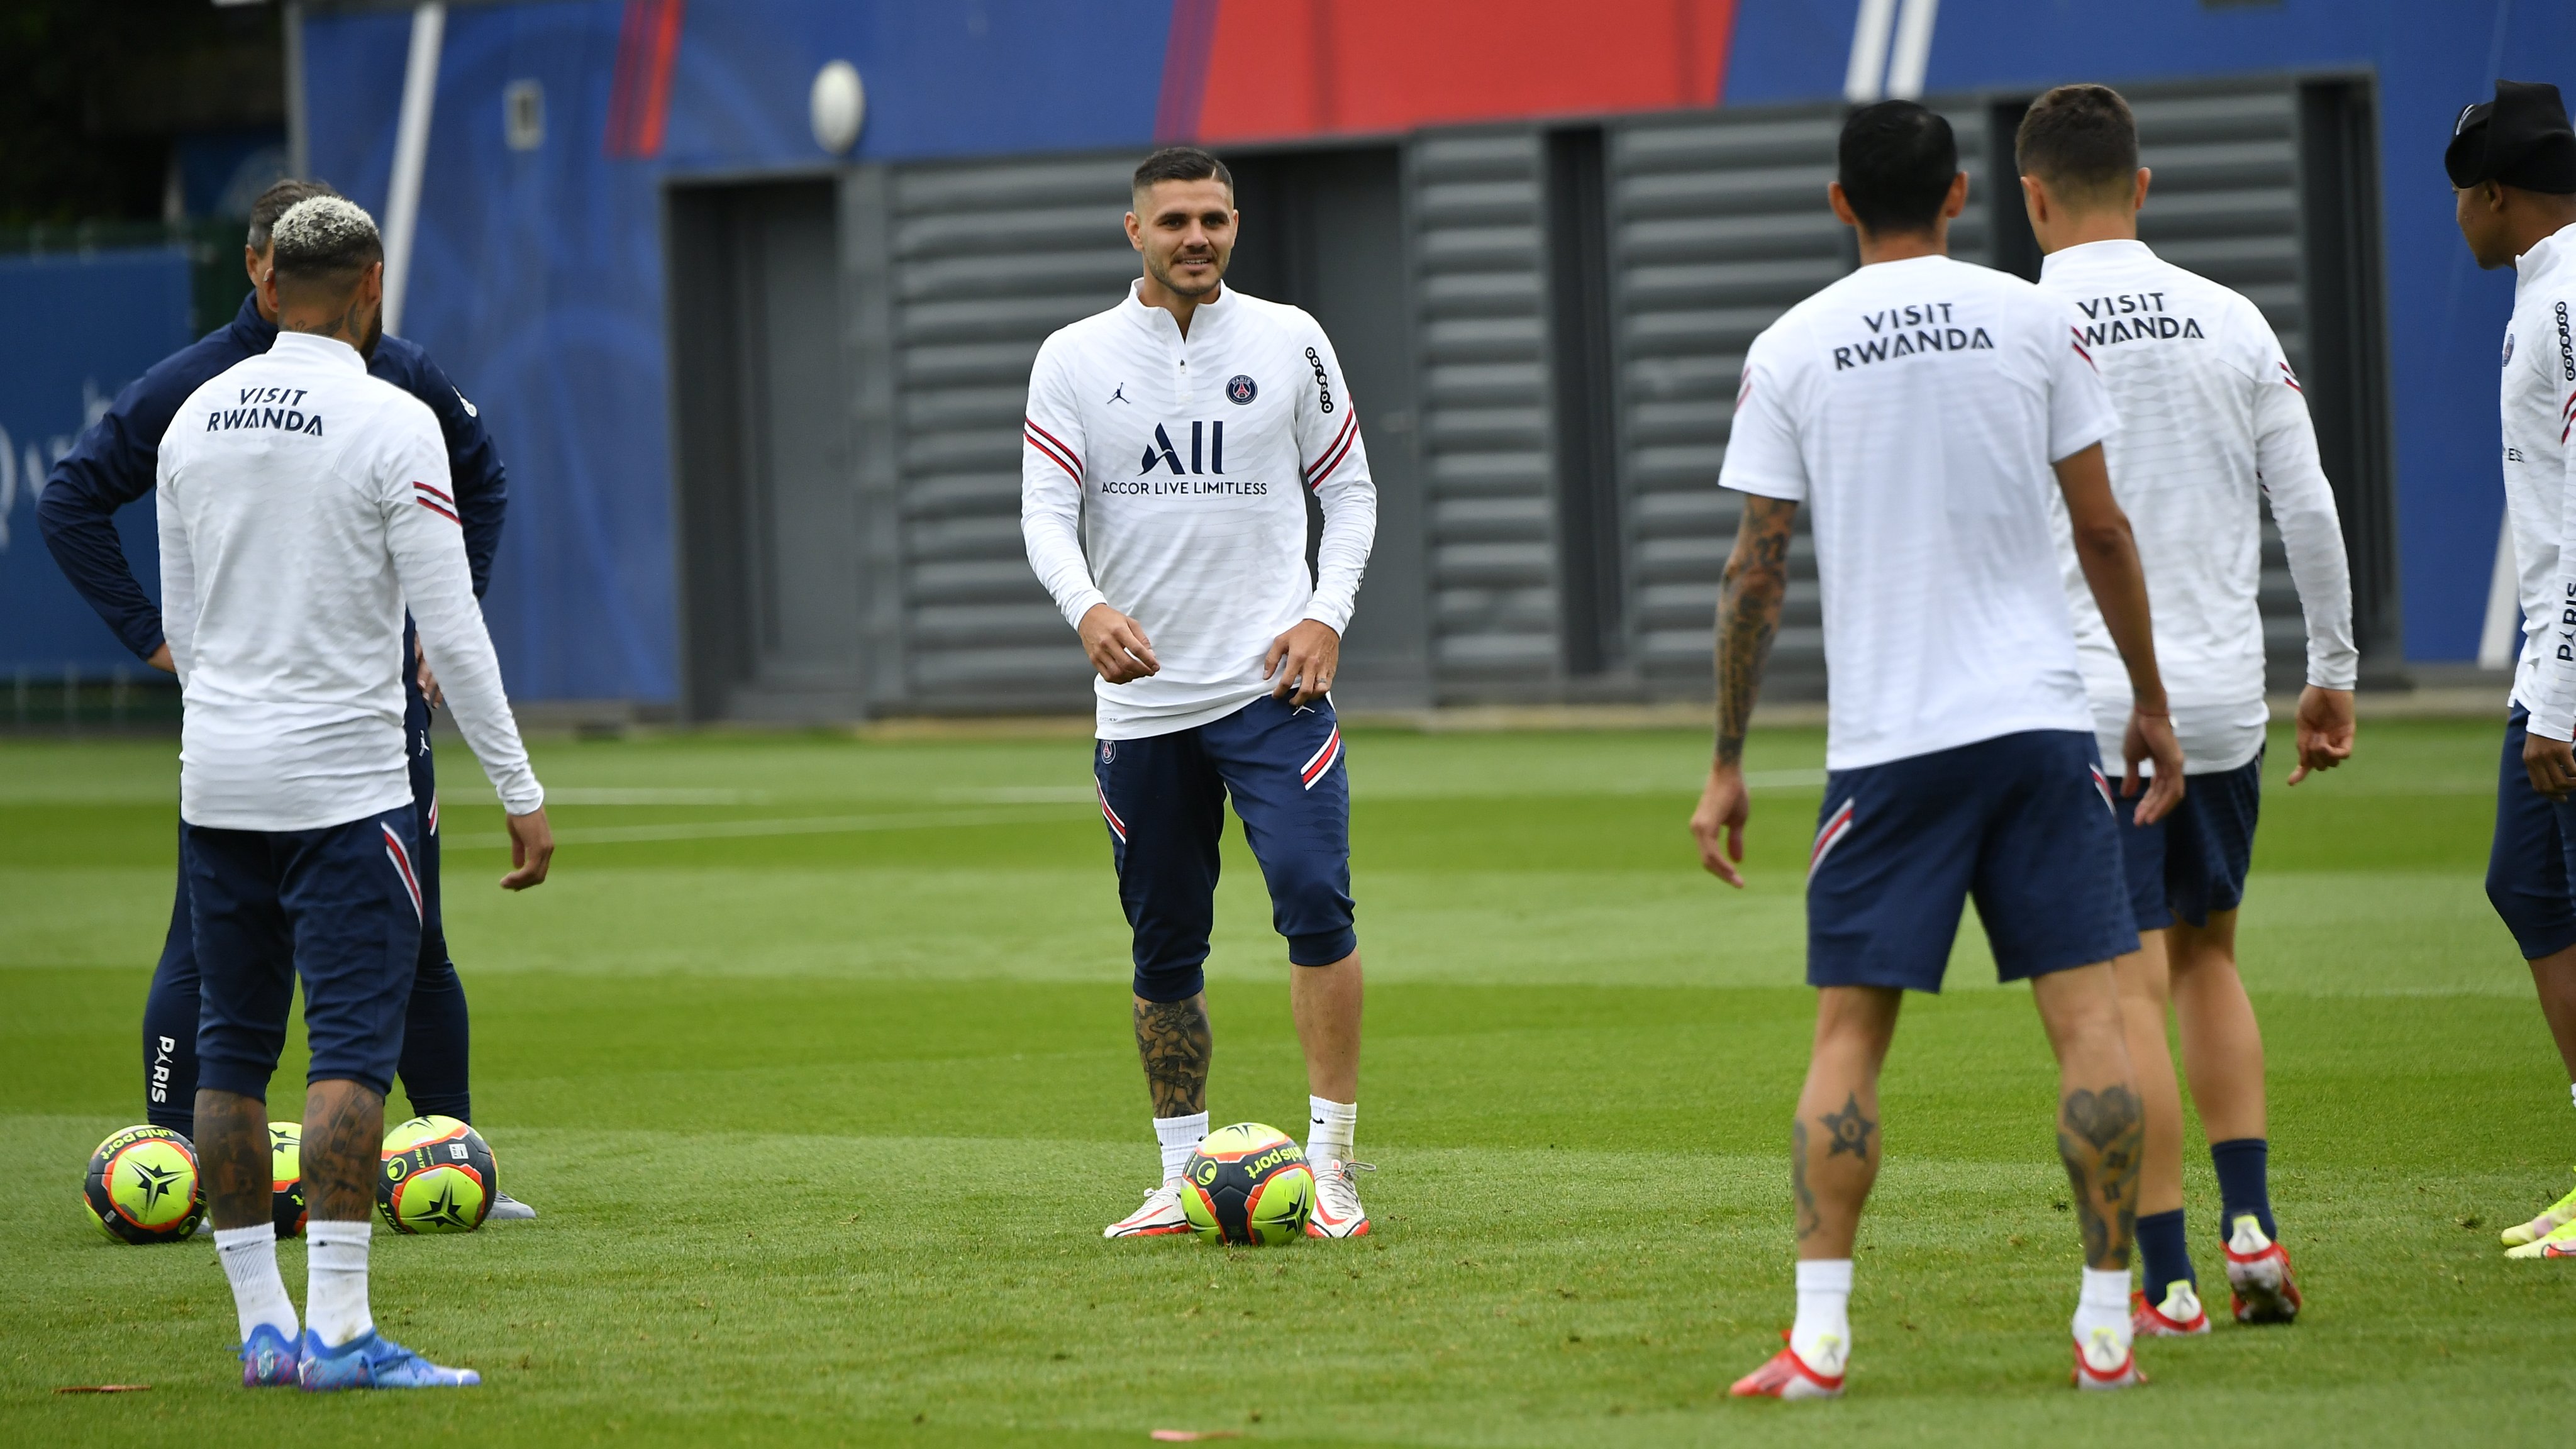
(286, 1177)
(438, 1177)
(1248, 1184)
(143, 1187)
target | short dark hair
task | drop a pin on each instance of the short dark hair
(1896, 163)
(327, 240)
(2081, 139)
(274, 202)
(1181, 163)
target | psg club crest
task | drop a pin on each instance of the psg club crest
(1241, 388)
(1108, 752)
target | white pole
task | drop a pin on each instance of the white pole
(2500, 641)
(411, 152)
(1869, 51)
(1913, 49)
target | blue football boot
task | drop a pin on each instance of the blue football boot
(269, 1358)
(373, 1361)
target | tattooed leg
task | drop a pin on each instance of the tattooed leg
(344, 1142)
(2101, 1125)
(1834, 1142)
(232, 1154)
(1172, 1039)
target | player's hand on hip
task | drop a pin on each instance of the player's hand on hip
(532, 850)
(2151, 738)
(2552, 764)
(1117, 646)
(2325, 730)
(160, 659)
(1718, 823)
(1304, 659)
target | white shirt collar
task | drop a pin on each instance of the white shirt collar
(2099, 253)
(2544, 259)
(309, 348)
(1164, 325)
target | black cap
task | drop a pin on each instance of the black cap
(2521, 138)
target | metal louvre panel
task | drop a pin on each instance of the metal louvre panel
(1718, 225)
(988, 260)
(1475, 210)
(2225, 203)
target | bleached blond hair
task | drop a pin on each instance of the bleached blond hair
(325, 236)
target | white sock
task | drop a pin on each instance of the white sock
(1329, 1127)
(259, 1296)
(1822, 1334)
(2105, 1303)
(1180, 1137)
(335, 1292)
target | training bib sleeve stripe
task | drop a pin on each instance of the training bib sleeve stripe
(1051, 488)
(1762, 449)
(2554, 716)
(2080, 411)
(1328, 432)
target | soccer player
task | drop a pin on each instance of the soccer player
(303, 504)
(2512, 162)
(1921, 405)
(2212, 421)
(1171, 441)
(110, 467)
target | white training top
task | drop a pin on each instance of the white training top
(2538, 399)
(302, 505)
(2211, 420)
(1916, 407)
(1165, 476)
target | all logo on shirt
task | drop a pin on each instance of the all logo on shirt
(2508, 349)
(1241, 389)
(1165, 473)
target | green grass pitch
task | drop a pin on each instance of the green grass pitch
(815, 1058)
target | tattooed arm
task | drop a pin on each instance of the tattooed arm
(1748, 617)
(1172, 1038)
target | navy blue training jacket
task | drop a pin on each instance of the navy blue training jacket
(114, 464)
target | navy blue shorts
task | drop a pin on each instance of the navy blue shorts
(2023, 823)
(2191, 864)
(2528, 867)
(338, 908)
(1163, 798)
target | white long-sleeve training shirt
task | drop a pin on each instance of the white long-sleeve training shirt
(1165, 476)
(302, 505)
(2212, 419)
(2537, 398)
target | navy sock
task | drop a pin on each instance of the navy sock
(2162, 1256)
(2244, 1184)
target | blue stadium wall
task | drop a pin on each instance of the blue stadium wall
(538, 274)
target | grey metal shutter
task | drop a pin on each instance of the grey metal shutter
(1718, 225)
(987, 261)
(1478, 244)
(2225, 203)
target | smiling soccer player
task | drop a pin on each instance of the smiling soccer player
(1169, 444)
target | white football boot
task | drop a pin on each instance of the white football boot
(1338, 1213)
(2178, 1316)
(508, 1209)
(2104, 1359)
(2258, 1275)
(1160, 1216)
